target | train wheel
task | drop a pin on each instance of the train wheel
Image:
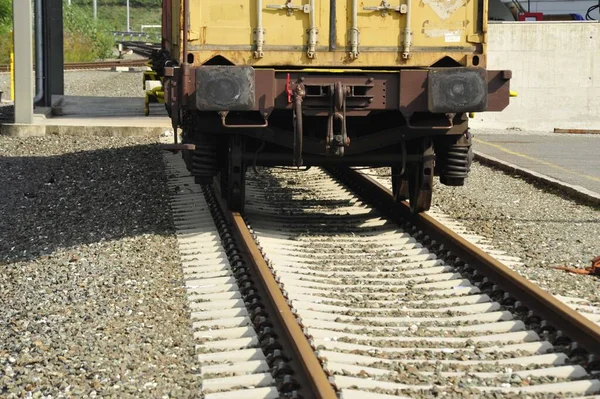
(236, 176)
(399, 184)
(420, 178)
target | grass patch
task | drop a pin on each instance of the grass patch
(84, 38)
(115, 17)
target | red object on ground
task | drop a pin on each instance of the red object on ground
(594, 270)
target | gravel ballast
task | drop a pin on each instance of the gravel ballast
(541, 227)
(544, 229)
(93, 83)
(77, 254)
(92, 300)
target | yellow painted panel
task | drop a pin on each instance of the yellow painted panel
(232, 22)
(434, 23)
(439, 28)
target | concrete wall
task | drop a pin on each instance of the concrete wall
(556, 72)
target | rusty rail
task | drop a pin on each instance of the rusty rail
(577, 327)
(94, 65)
(577, 131)
(315, 375)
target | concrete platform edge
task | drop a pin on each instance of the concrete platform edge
(34, 130)
(573, 191)
(22, 130)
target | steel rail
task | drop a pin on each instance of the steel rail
(311, 366)
(577, 327)
(141, 49)
(94, 65)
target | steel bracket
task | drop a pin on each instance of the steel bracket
(337, 136)
(385, 8)
(259, 41)
(299, 93)
(289, 7)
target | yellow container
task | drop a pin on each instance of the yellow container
(331, 34)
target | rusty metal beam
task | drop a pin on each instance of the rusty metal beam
(301, 347)
(577, 131)
(177, 147)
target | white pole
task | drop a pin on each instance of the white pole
(23, 45)
(95, 9)
(127, 15)
(69, 2)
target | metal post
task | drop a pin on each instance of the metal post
(128, 16)
(95, 10)
(53, 59)
(12, 66)
(23, 45)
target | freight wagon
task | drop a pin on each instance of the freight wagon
(322, 82)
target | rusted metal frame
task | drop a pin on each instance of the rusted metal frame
(397, 135)
(363, 144)
(337, 139)
(405, 90)
(373, 159)
(299, 94)
(455, 124)
(178, 147)
(498, 90)
(380, 89)
(450, 124)
(167, 22)
(223, 115)
(414, 96)
(188, 86)
(577, 327)
(285, 138)
(173, 95)
(186, 27)
(304, 352)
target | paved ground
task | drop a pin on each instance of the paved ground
(570, 158)
(95, 115)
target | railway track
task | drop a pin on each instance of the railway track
(94, 65)
(336, 294)
(141, 48)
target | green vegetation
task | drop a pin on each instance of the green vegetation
(5, 27)
(113, 13)
(5, 11)
(84, 38)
